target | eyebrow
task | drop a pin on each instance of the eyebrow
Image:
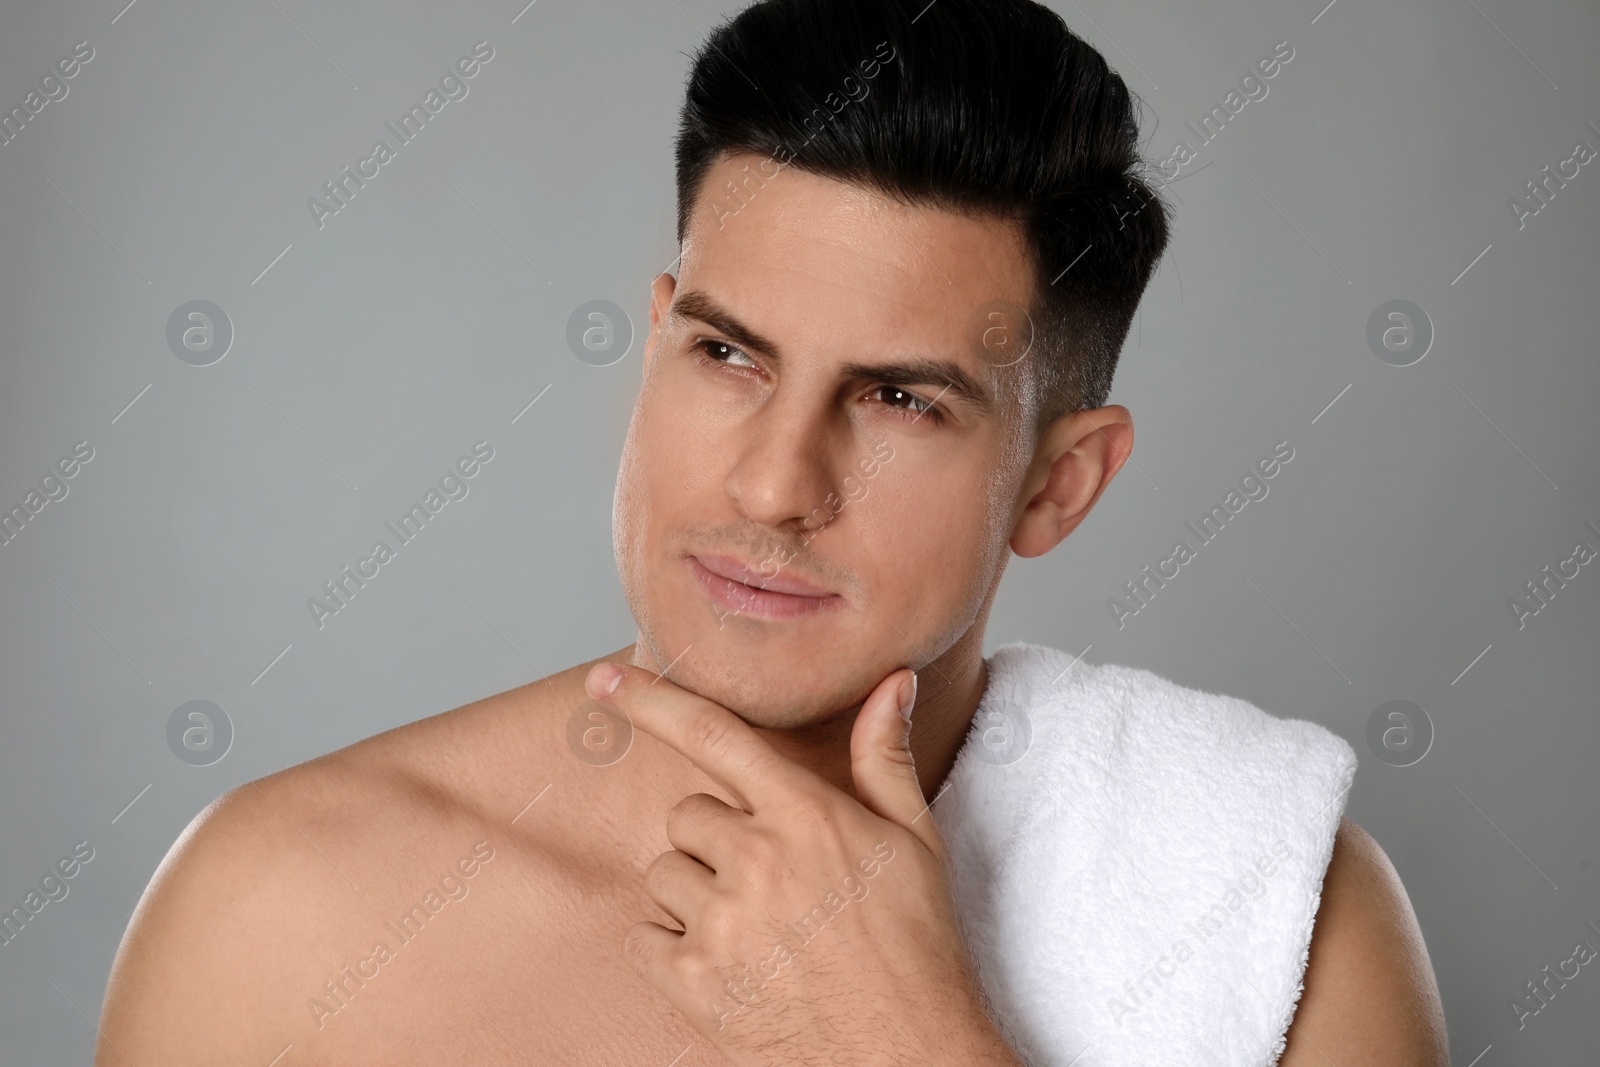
(696, 304)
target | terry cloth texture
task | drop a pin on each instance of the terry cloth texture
(1137, 865)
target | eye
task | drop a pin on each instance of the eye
(722, 352)
(912, 405)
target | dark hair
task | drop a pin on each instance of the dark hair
(989, 107)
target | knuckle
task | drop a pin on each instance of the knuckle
(637, 947)
(812, 810)
(900, 754)
(710, 733)
(686, 813)
(757, 852)
(695, 968)
(660, 875)
(720, 928)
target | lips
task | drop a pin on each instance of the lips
(740, 588)
(736, 571)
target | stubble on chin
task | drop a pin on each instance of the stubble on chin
(760, 699)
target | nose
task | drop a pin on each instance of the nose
(781, 474)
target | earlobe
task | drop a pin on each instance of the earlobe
(1075, 460)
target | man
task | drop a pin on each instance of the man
(830, 460)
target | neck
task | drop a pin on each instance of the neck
(948, 691)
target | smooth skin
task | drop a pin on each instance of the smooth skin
(825, 323)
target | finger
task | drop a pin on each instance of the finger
(706, 828)
(681, 885)
(881, 762)
(707, 734)
(652, 951)
(649, 949)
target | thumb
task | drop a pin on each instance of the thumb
(881, 762)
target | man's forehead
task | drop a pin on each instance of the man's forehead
(799, 245)
(853, 237)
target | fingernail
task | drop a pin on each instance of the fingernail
(603, 680)
(908, 697)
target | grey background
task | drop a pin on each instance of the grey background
(430, 311)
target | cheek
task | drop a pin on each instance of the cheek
(665, 455)
(668, 471)
(639, 476)
(926, 535)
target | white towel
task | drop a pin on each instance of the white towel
(1137, 865)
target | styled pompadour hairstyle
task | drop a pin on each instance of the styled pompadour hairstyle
(986, 107)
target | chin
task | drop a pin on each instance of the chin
(762, 675)
(778, 695)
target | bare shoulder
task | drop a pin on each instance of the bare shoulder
(1370, 991)
(281, 882)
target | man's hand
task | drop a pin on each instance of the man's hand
(817, 929)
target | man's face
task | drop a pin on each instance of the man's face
(804, 427)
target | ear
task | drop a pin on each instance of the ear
(661, 291)
(1076, 458)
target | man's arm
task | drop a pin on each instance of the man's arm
(1370, 994)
